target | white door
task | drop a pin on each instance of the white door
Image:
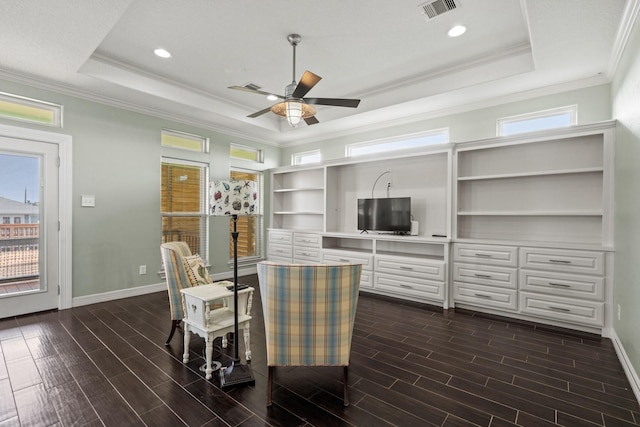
(29, 222)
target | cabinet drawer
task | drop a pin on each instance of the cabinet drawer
(409, 286)
(338, 257)
(564, 309)
(306, 254)
(408, 267)
(366, 280)
(282, 237)
(307, 239)
(505, 256)
(280, 253)
(569, 285)
(569, 261)
(485, 296)
(503, 277)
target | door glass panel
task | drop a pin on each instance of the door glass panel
(19, 223)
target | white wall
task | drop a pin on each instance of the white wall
(116, 157)
(626, 109)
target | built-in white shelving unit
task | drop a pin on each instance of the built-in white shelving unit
(520, 226)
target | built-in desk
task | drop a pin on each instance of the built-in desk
(208, 312)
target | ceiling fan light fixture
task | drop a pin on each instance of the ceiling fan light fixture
(294, 110)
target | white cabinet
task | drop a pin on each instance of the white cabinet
(563, 260)
(485, 275)
(306, 248)
(345, 256)
(419, 278)
(405, 267)
(279, 246)
(559, 286)
(506, 256)
(563, 284)
(526, 219)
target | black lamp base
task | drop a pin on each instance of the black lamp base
(236, 375)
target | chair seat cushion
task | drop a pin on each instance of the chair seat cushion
(196, 270)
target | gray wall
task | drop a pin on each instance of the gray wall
(626, 109)
(593, 103)
(116, 157)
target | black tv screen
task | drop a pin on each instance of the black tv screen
(385, 214)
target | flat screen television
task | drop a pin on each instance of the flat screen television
(391, 214)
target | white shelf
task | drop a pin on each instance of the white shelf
(298, 213)
(291, 190)
(532, 174)
(531, 213)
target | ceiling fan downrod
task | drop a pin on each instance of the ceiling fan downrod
(294, 39)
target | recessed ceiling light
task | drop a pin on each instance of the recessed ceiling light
(456, 31)
(162, 53)
(272, 97)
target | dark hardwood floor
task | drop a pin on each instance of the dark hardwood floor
(106, 364)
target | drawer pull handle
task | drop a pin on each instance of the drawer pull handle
(343, 260)
(560, 285)
(483, 255)
(566, 310)
(560, 261)
(483, 296)
(306, 253)
(406, 286)
(402, 267)
(482, 276)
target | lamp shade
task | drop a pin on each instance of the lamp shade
(233, 197)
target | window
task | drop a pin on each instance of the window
(539, 120)
(6, 220)
(16, 220)
(306, 157)
(184, 141)
(436, 136)
(249, 227)
(184, 204)
(30, 110)
(246, 153)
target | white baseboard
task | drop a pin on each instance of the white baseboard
(147, 289)
(631, 373)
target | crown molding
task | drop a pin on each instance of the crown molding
(627, 24)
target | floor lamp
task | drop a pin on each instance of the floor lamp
(231, 199)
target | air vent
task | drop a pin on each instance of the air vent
(432, 8)
(251, 86)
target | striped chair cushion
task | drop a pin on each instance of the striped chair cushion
(309, 312)
(176, 275)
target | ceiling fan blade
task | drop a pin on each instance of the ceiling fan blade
(311, 120)
(308, 81)
(259, 113)
(259, 92)
(336, 102)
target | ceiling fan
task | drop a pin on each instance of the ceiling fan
(294, 107)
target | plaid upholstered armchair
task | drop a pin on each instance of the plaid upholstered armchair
(309, 311)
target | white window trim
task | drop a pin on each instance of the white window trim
(204, 147)
(56, 109)
(296, 156)
(432, 132)
(204, 203)
(571, 109)
(259, 153)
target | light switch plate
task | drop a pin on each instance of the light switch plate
(88, 201)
